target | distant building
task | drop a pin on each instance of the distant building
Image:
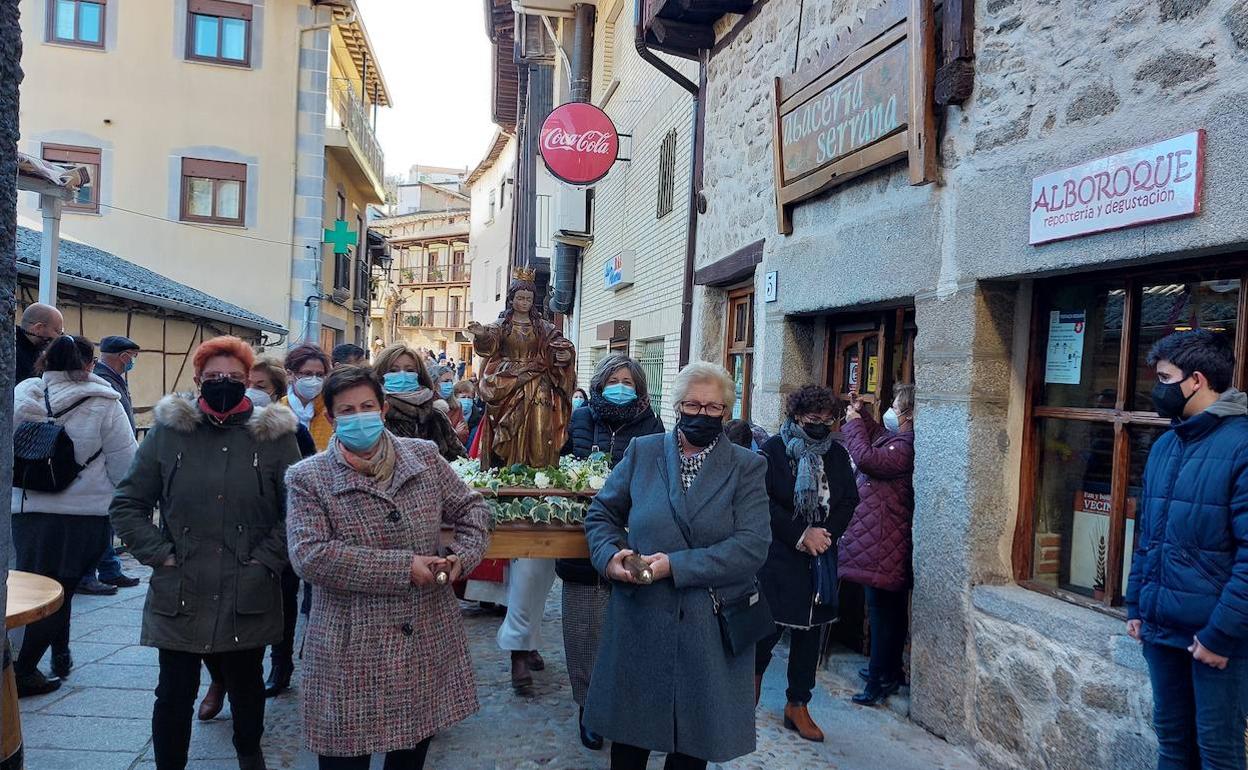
(223, 138)
(489, 249)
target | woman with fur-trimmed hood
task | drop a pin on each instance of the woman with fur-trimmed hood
(216, 466)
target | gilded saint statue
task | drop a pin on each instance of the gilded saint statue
(526, 382)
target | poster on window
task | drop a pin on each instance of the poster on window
(1064, 363)
(1090, 540)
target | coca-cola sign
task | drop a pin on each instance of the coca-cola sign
(579, 143)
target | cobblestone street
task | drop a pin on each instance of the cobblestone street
(101, 718)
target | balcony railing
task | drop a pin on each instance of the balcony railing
(435, 319)
(423, 274)
(347, 112)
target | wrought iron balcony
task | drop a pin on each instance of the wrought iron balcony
(346, 117)
(423, 275)
(434, 319)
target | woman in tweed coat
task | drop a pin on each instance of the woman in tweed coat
(386, 665)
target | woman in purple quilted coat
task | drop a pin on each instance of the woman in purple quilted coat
(386, 664)
(875, 550)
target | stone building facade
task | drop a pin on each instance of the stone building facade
(1029, 678)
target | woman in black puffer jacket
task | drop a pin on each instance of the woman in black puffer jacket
(618, 411)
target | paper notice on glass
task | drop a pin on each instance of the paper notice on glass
(1064, 363)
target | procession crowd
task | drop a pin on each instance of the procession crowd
(707, 545)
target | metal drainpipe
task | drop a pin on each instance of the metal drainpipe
(580, 79)
(695, 173)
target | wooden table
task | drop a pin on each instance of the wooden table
(30, 598)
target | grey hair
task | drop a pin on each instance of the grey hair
(608, 366)
(704, 371)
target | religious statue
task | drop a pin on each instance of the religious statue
(526, 382)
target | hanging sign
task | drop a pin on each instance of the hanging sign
(866, 103)
(617, 273)
(1063, 365)
(579, 143)
(1158, 181)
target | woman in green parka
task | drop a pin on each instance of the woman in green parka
(215, 466)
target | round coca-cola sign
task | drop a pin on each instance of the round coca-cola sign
(579, 143)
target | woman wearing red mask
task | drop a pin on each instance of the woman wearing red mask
(216, 465)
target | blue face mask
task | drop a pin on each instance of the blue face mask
(446, 389)
(359, 432)
(578, 402)
(619, 394)
(129, 365)
(401, 382)
(466, 405)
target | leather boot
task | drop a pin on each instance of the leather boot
(536, 661)
(521, 677)
(758, 688)
(797, 717)
(253, 762)
(279, 678)
(213, 701)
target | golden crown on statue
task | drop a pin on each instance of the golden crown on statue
(525, 274)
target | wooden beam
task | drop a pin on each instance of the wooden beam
(956, 78)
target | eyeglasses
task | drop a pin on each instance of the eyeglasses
(710, 410)
(221, 376)
(830, 422)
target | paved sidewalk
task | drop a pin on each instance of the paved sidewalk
(101, 718)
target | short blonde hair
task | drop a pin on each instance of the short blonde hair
(704, 371)
(904, 396)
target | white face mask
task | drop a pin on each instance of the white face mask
(891, 421)
(308, 388)
(258, 398)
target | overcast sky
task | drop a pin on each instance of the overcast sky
(436, 60)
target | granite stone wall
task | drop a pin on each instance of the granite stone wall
(1025, 679)
(10, 80)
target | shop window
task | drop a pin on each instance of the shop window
(87, 197)
(1090, 422)
(213, 191)
(77, 22)
(219, 32)
(739, 357)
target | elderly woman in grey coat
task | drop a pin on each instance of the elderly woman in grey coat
(663, 680)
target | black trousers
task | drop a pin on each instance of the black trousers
(889, 612)
(243, 674)
(284, 651)
(52, 631)
(803, 660)
(406, 759)
(625, 757)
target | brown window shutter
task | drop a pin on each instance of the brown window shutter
(67, 153)
(214, 169)
(221, 8)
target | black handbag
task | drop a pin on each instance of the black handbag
(744, 621)
(823, 583)
(44, 458)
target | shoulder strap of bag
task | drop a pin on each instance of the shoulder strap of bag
(47, 402)
(688, 538)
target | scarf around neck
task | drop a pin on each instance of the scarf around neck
(616, 414)
(379, 467)
(415, 398)
(808, 455)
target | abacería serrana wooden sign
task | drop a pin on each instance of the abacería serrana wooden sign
(865, 103)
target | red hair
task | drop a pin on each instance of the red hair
(224, 346)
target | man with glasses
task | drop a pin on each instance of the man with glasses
(40, 325)
(117, 357)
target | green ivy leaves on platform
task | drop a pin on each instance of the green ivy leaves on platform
(571, 475)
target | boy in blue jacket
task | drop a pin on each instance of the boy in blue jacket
(1187, 598)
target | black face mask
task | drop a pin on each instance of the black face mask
(222, 395)
(700, 429)
(817, 431)
(1168, 399)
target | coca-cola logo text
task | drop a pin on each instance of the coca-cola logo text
(579, 143)
(597, 142)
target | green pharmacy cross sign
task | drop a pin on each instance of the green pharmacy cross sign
(341, 237)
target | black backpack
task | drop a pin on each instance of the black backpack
(43, 453)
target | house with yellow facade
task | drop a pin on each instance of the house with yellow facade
(230, 144)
